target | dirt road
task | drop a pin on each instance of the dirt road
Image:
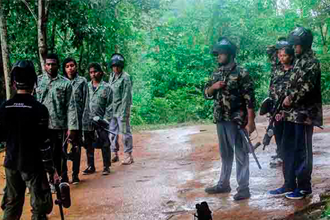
(172, 167)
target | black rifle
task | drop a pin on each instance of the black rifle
(270, 129)
(247, 143)
(102, 124)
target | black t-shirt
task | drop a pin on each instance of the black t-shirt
(24, 127)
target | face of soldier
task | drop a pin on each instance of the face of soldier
(71, 70)
(284, 58)
(51, 67)
(117, 69)
(95, 75)
(298, 50)
(223, 58)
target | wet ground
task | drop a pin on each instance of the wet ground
(172, 167)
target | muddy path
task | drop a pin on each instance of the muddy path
(172, 167)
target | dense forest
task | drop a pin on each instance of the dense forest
(166, 43)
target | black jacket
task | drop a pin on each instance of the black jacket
(24, 127)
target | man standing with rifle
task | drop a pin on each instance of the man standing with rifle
(24, 127)
(305, 101)
(232, 90)
(55, 92)
(100, 103)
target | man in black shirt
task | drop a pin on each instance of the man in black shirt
(24, 127)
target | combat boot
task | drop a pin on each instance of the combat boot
(242, 194)
(217, 189)
(89, 170)
(128, 159)
(115, 157)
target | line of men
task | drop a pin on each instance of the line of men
(39, 128)
(295, 76)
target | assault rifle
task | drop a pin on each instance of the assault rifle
(270, 129)
(103, 124)
(248, 145)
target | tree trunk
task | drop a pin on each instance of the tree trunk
(117, 47)
(325, 38)
(42, 30)
(81, 58)
(52, 46)
(5, 50)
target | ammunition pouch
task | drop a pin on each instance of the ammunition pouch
(267, 106)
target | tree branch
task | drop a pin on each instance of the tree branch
(321, 30)
(28, 7)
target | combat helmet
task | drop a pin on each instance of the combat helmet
(301, 36)
(117, 60)
(224, 45)
(23, 74)
(282, 43)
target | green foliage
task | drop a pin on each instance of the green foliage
(167, 44)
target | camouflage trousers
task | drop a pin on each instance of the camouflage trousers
(14, 194)
(117, 125)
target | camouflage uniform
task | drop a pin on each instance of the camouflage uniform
(100, 100)
(279, 83)
(230, 110)
(81, 97)
(56, 95)
(305, 91)
(306, 112)
(122, 101)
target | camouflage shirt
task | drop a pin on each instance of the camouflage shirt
(56, 95)
(100, 100)
(305, 91)
(122, 94)
(81, 97)
(232, 101)
(279, 77)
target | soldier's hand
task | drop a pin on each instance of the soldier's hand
(278, 117)
(219, 85)
(287, 102)
(250, 127)
(56, 178)
(72, 135)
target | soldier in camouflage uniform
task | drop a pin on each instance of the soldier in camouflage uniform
(121, 86)
(303, 98)
(100, 105)
(281, 57)
(55, 92)
(81, 97)
(232, 90)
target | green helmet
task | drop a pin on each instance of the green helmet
(117, 60)
(224, 45)
(301, 36)
(282, 44)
